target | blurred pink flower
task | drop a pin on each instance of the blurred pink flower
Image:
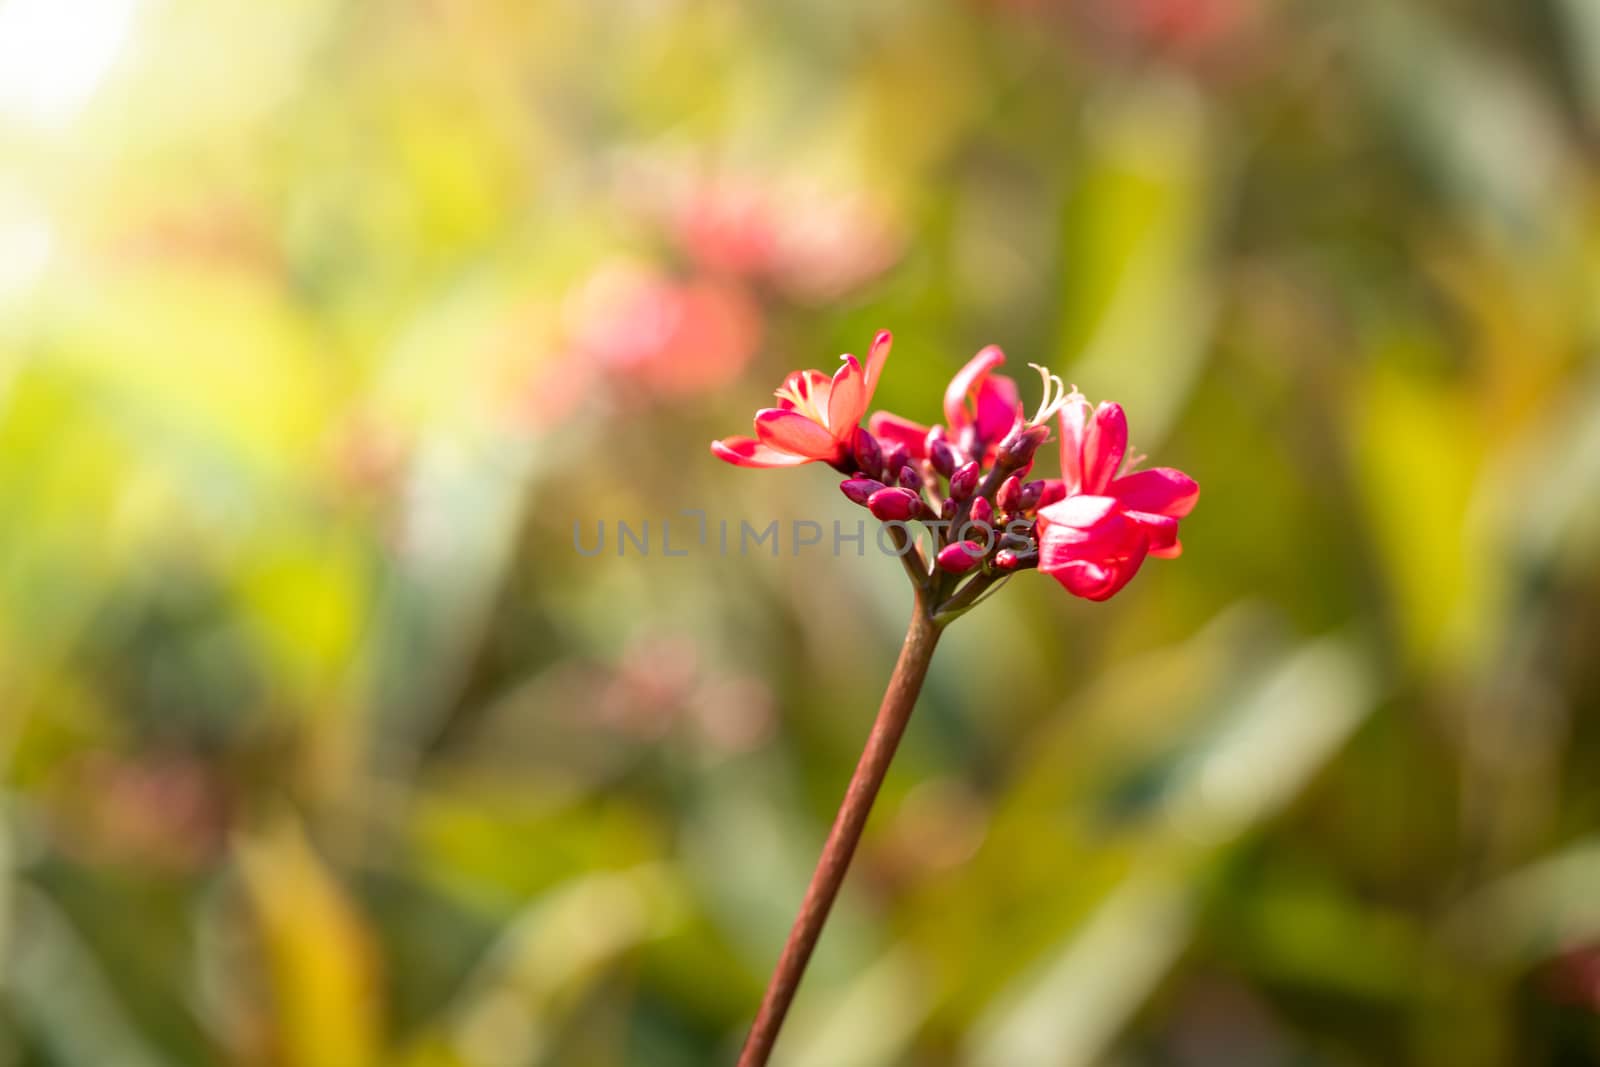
(1182, 25)
(817, 417)
(1094, 541)
(675, 338)
(812, 243)
(163, 810)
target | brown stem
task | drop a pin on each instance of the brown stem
(893, 714)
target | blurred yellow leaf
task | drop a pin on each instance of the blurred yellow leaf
(321, 960)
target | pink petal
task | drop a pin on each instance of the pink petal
(1103, 447)
(1160, 530)
(999, 407)
(847, 398)
(1080, 512)
(1074, 425)
(810, 384)
(892, 429)
(790, 431)
(1163, 491)
(1173, 551)
(876, 356)
(1093, 579)
(748, 452)
(968, 380)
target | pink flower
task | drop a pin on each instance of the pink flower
(1095, 539)
(980, 408)
(674, 338)
(817, 417)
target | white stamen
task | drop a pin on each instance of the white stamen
(1055, 395)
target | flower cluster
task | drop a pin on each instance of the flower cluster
(967, 480)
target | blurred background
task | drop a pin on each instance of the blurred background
(326, 326)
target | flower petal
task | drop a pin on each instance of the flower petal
(790, 431)
(998, 406)
(1172, 551)
(748, 452)
(967, 381)
(1074, 419)
(1098, 581)
(811, 386)
(1160, 530)
(892, 429)
(876, 356)
(1162, 490)
(1080, 512)
(1103, 447)
(847, 399)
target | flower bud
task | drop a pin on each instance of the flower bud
(1008, 560)
(1010, 495)
(889, 505)
(1028, 498)
(960, 557)
(869, 454)
(860, 490)
(947, 510)
(964, 480)
(1054, 489)
(910, 479)
(894, 458)
(983, 511)
(942, 456)
(1020, 445)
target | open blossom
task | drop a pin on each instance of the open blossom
(817, 418)
(1094, 539)
(980, 408)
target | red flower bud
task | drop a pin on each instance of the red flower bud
(1054, 489)
(964, 480)
(947, 510)
(860, 490)
(1009, 559)
(1028, 498)
(1020, 445)
(1009, 497)
(942, 456)
(910, 479)
(983, 511)
(960, 557)
(869, 454)
(894, 505)
(896, 457)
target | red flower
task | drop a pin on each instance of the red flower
(980, 408)
(1095, 539)
(816, 418)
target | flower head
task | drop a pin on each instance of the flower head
(816, 419)
(1094, 540)
(1091, 529)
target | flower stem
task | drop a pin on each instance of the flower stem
(893, 714)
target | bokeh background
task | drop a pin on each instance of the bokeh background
(323, 327)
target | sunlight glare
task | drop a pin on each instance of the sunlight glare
(55, 53)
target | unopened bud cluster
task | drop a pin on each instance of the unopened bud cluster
(972, 495)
